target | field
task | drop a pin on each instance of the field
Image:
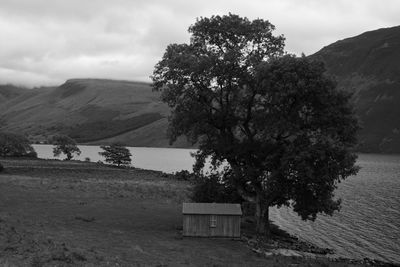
(55, 213)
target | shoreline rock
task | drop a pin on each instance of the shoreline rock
(290, 246)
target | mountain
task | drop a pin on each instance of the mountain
(8, 92)
(369, 66)
(98, 111)
(92, 111)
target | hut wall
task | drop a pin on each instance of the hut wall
(199, 225)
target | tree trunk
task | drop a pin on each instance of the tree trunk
(262, 218)
(266, 221)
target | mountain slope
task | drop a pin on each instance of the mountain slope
(96, 111)
(369, 66)
(8, 92)
(90, 111)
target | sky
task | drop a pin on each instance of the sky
(45, 42)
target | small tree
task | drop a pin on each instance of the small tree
(15, 145)
(65, 145)
(116, 154)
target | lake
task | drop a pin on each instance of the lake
(368, 224)
(159, 159)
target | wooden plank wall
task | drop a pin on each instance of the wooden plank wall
(199, 225)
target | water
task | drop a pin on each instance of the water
(159, 159)
(368, 224)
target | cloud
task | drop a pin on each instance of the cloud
(47, 42)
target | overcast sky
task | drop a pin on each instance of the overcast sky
(45, 42)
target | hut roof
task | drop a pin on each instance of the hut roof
(212, 208)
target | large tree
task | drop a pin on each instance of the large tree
(63, 144)
(15, 145)
(285, 130)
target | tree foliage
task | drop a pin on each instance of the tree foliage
(285, 130)
(116, 154)
(15, 145)
(210, 189)
(63, 144)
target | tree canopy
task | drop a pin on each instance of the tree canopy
(285, 130)
(15, 145)
(63, 144)
(116, 154)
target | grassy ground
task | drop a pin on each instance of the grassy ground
(55, 213)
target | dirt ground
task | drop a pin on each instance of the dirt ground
(58, 213)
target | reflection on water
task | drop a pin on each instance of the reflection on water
(368, 224)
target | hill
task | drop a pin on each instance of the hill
(368, 65)
(90, 111)
(98, 111)
(8, 92)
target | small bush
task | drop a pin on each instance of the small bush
(87, 159)
(1, 167)
(184, 175)
(32, 154)
(209, 189)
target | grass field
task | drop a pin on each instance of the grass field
(57, 213)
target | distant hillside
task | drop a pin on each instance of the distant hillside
(90, 111)
(8, 92)
(369, 65)
(96, 111)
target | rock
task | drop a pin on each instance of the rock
(252, 242)
(286, 252)
(258, 251)
(268, 254)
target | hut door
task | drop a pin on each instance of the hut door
(213, 225)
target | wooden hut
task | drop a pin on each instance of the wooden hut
(211, 219)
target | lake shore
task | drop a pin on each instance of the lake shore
(87, 214)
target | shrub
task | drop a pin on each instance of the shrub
(32, 154)
(1, 167)
(87, 159)
(209, 188)
(184, 175)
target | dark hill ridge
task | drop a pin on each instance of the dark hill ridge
(369, 65)
(374, 53)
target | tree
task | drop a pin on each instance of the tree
(285, 130)
(63, 144)
(117, 154)
(15, 145)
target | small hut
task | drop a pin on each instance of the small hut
(211, 219)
